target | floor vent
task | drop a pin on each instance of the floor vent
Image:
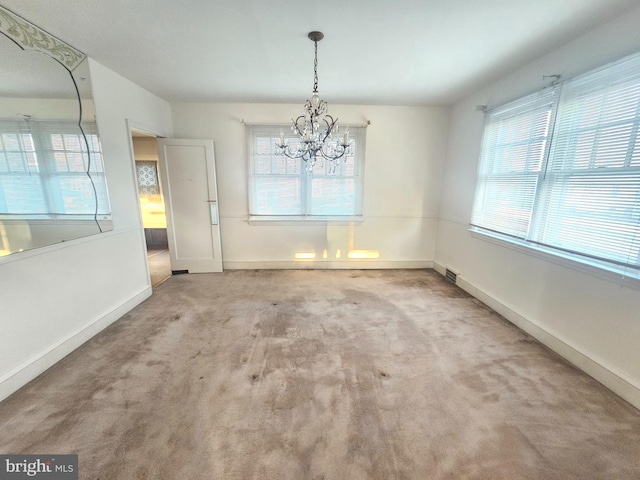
(450, 276)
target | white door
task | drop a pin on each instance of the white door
(188, 176)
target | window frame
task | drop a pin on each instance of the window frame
(304, 215)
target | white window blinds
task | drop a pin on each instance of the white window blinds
(584, 198)
(280, 186)
(591, 198)
(45, 170)
(511, 162)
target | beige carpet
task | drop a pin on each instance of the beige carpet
(321, 375)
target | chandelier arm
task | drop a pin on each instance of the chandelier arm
(327, 131)
(338, 152)
(330, 126)
(333, 157)
(295, 125)
(294, 156)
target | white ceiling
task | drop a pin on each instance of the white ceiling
(402, 52)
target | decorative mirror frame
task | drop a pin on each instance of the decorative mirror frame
(35, 230)
(30, 37)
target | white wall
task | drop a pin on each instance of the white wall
(145, 149)
(592, 321)
(54, 298)
(403, 168)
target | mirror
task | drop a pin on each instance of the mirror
(52, 182)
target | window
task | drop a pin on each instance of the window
(280, 186)
(45, 171)
(513, 150)
(560, 170)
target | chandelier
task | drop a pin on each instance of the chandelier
(318, 132)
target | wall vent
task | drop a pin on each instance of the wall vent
(451, 276)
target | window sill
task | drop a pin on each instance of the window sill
(53, 218)
(609, 272)
(307, 220)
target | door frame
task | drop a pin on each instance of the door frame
(135, 125)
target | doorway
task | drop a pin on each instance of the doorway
(152, 207)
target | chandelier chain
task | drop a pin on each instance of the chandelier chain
(315, 67)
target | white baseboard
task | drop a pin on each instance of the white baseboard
(439, 268)
(23, 373)
(327, 265)
(593, 366)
